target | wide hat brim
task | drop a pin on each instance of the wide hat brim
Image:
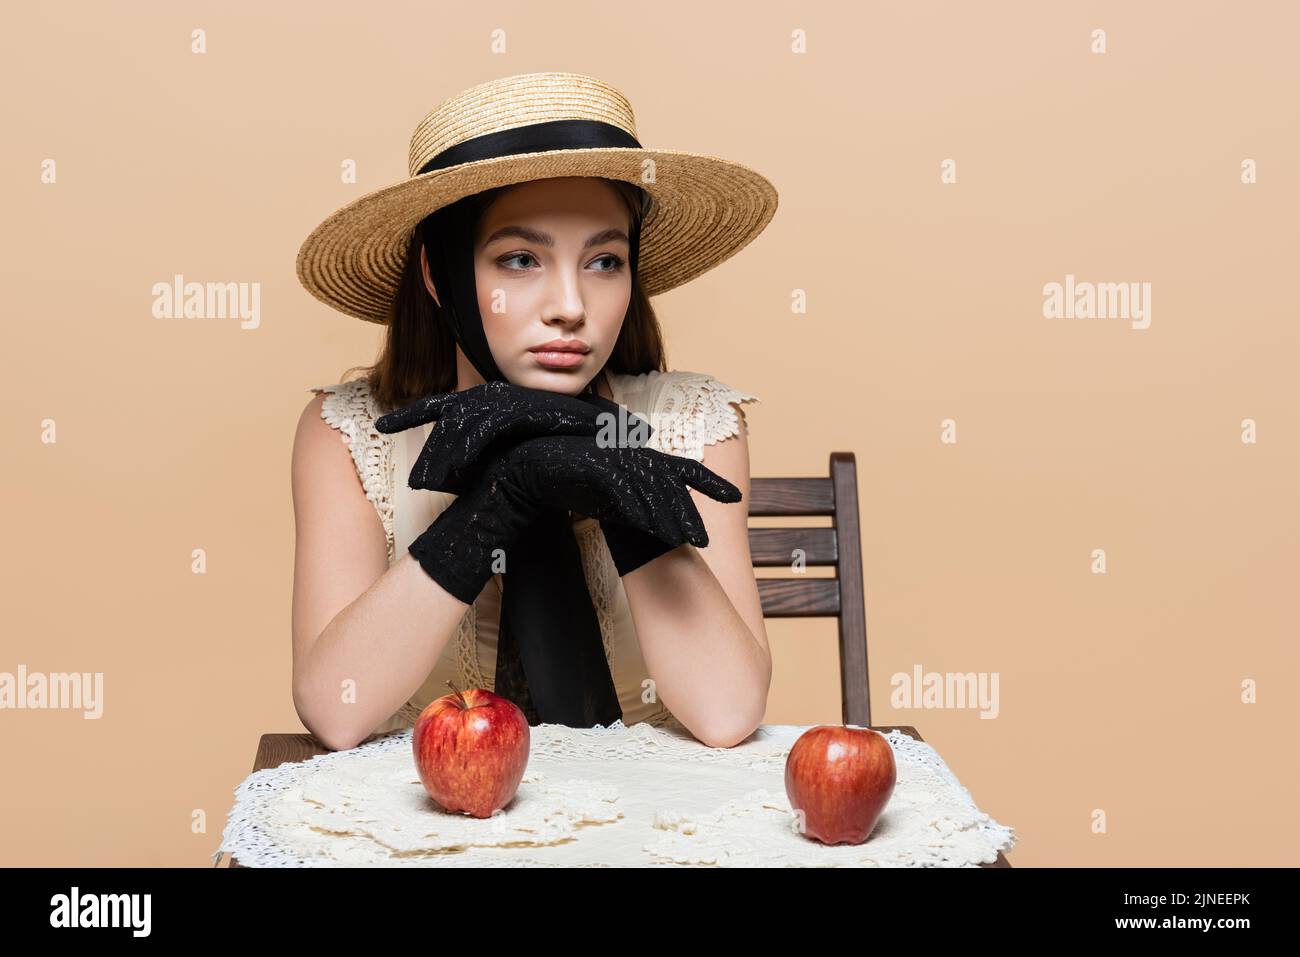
(703, 211)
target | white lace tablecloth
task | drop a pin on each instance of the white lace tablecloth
(598, 797)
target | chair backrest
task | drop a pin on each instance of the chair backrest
(797, 596)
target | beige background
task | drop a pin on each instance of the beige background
(1119, 692)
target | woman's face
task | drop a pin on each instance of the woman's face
(551, 262)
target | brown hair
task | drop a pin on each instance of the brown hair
(419, 352)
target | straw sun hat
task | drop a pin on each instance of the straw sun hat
(702, 209)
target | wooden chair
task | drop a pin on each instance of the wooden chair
(839, 546)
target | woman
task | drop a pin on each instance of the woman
(531, 204)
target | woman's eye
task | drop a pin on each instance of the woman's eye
(614, 262)
(509, 259)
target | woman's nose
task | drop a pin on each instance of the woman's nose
(565, 297)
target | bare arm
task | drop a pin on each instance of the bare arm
(355, 619)
(699, 618)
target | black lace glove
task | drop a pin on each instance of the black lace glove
(475, 421)
(641, 488)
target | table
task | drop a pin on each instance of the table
(276, 749)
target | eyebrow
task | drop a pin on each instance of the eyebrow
(528, 234)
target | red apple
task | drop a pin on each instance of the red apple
(840, 777)
(471, 749)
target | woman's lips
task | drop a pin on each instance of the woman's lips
(559, 360)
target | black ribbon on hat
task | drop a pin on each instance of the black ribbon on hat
(538, 138)
(533, 138)
(550, 652)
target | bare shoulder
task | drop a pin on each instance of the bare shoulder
(314, 435)
(321, 451)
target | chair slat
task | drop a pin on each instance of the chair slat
(776, 547)
(791, 496)
(799, 597)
